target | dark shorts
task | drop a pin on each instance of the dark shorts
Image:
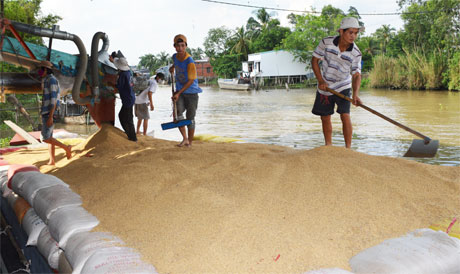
(324, 105)
(142, 111)
(188, 103)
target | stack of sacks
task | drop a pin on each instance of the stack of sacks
(421, 251)
(51, 215)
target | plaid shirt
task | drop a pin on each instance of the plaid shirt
(51, 92)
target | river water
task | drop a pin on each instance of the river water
(281, 117)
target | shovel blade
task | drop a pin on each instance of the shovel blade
(420, 149)
(179, 123)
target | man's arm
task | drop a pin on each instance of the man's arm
(151, 101)
(356, 84)
(50, 121)
(322, 85)
(54, 88)
(184, 88)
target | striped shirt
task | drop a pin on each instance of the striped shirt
(51, 95)
(337, 67)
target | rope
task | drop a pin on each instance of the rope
(4, 231)
(26, 270)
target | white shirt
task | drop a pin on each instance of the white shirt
(337, 67)
(143, 98)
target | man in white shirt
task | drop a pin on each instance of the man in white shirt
(340, 70)
(143, 100)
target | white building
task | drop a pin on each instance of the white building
(276, 64)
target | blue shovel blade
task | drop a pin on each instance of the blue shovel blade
(179, 123)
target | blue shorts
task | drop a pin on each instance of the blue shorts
(47, 132)
(324, 105)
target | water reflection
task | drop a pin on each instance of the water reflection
(284, 118)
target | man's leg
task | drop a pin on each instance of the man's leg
(130, 125)
(184, 137)
(180, 107)
(191, 104)
(126, 121)
(347, 128)
(139, 121)
(146, 124)
(191, 134)
(52, 143)
(327, 129)
(122, 118)
(52, 151)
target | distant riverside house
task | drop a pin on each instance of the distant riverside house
(204, 70)
(278, 66)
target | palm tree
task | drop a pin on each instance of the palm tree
(254, 27)
(384, 34)
(242, 44)
(368, 45)
(264, 17)
(163, 58)
(148, 61)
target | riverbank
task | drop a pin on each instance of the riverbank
(219, 207)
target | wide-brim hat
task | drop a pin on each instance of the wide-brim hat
(350, 22)
(46, 64)
(121, 63)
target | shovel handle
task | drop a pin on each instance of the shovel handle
(425, 138)
(173, 102)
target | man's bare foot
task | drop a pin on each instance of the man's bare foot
(51, 163)
(68, 152)
(183, 143)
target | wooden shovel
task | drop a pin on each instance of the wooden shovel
(419, 148)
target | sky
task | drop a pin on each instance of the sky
(140, 27)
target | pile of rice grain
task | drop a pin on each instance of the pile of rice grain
(242, 208)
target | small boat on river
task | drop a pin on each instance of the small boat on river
(235, 84)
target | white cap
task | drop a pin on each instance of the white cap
(350, 22)
(121, 63)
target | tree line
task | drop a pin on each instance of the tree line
(424, 54)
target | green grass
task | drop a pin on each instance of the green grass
(412, 70)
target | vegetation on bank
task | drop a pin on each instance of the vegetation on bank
(424, 54)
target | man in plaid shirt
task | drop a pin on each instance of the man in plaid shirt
(50, 101)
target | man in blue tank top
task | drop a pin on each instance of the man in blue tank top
(187, 89)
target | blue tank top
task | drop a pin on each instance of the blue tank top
(182, 75)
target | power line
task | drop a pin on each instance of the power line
(257, 7)
(316, 12)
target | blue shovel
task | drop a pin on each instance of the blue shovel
(175, 123)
